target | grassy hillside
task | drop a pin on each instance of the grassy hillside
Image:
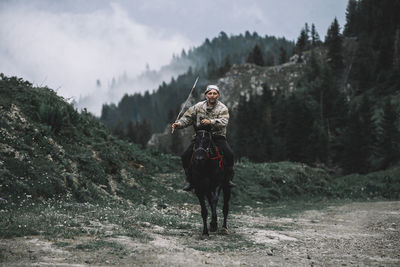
(261, 183)
(49, 150)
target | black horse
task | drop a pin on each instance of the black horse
(208, 179)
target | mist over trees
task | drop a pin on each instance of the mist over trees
(343, 114)
(210, 61)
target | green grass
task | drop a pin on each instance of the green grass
(102, 244)
(377, 185)
(260, 184)
(65, 219)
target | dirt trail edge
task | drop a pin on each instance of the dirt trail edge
(354, 234)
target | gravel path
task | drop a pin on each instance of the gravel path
(354, 234)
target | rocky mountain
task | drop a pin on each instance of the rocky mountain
(248, 79)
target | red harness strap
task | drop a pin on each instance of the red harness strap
(220, 159)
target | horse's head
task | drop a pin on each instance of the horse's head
(201, 147)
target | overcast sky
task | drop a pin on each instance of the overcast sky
(69, 44)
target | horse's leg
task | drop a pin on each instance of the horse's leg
(213, 201)
(225, 208)
(204, 213)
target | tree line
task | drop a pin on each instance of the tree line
(343, 114)
(210, 61)
(345, 110)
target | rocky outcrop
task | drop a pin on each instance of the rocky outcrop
(247, 79)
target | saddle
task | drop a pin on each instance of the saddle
(215, 154)
(213, 151)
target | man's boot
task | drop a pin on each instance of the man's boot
(188, 187)
(229, 173)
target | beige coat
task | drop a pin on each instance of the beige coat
(218, 115)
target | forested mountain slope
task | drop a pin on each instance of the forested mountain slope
(209, 61)
(337, 105)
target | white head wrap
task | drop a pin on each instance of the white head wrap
(211, 87)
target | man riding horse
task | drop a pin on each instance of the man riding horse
(213, 114)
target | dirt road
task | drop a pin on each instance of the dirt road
(354, 234)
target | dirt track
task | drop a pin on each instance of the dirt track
(355, 234)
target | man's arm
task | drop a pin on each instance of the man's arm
(221, 121)
(186, 120)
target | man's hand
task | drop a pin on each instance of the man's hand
(175, 125)
(205, 121)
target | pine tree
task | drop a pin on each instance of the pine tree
(363, 72)
(299, 125)
(302, 42)
(351, 17)
(282, 55)
(312, 74)
(266, 124)
(333, 41)
(390, 145)
(256, 151)
(270, 59)
(333, 105)
(352, 159)
(143, 132)
(315, 40)
(279, 114)
(256, 56)
(307, 30)
(241, 142)
(396, 54)
(359, 138)
(132, 132)
(119, 130)
(225, 67)
(319, 148)
(211, 69)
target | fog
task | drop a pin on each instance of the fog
(68, 52)
(69, 45)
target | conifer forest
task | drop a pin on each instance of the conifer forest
(343, 113)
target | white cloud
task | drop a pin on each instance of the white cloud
(250, 12)
(70, 51)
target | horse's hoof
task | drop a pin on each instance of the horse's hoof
(224, 231)
(213, 228)
(204, 236)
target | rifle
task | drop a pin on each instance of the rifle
(194, 85)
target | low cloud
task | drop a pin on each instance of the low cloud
(69, 51)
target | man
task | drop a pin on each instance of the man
(215, 114)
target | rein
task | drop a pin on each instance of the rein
(218, 156)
